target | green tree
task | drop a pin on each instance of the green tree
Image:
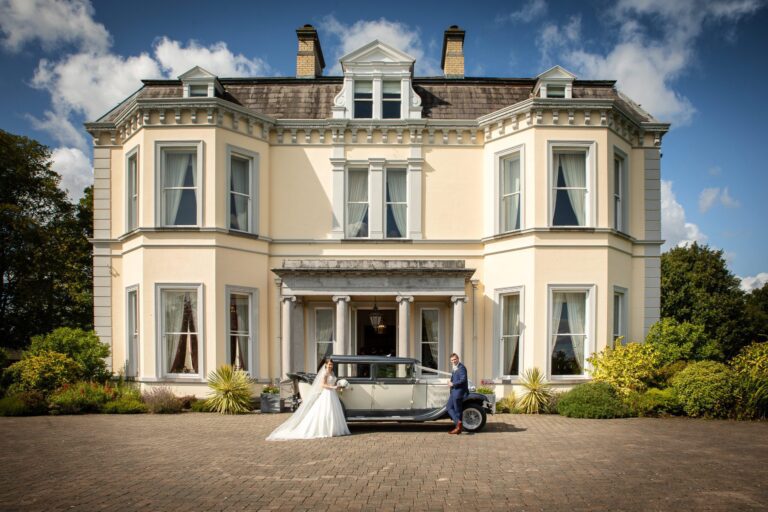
(698, 288)
(44, 253)
(757, 312)
(681, 341)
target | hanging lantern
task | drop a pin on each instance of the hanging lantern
(376, 319)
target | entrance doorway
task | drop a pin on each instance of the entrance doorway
(372, 343)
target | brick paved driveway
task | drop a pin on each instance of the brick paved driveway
(210, 462)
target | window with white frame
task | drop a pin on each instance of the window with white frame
(620, 193)
(510, 334)
(570, 187)
(180, 330)
(430, 337)
(132, 191)
(363, 99)
(180, 184)
(568, 338)
(357, 203)
(132, 333)
(619, 319)
(243, 179)
(396, 199)
(240, 329)
(198, 90)
(510, 193)
(390, 100)
(555, 91)
(324, 320)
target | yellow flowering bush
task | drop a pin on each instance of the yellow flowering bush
(627, 368)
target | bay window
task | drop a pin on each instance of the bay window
(132, 191)
(132, 332)
(569, 338)
(243, 176)
(180, 333)
(510, 193)
(179, 184)
(572, 180)
(240, 329)
(620, 182)
(510, 334)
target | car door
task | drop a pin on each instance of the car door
(393, 390)
(357, 397)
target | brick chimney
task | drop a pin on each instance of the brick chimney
(309, 59)
(453, 53)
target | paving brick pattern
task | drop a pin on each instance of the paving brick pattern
(203, 462)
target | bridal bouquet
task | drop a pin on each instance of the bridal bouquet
(342, 383)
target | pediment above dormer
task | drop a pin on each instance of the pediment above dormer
(556, 82)
(376, 53)
(557, 73)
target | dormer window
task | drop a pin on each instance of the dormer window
(556, 91)
(390, 100)
(377, 85)
(198, 91)
(555, 83)
(363, 99)
(199, 83)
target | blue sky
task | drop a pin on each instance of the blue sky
(697, 64)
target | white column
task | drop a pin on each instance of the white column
(285, 335)
(403, 324)
(458, 324)
(376, 198)
(341, 344)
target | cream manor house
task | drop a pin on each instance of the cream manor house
(267, 222)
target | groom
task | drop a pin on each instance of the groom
(459, 389)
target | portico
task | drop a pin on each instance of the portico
(351, 289)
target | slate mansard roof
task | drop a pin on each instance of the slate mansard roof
(312, 99)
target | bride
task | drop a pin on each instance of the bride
(320, 413)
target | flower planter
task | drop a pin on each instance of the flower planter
(270, 402)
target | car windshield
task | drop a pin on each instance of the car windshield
(394, 371)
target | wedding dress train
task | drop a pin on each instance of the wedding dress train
(319, 415)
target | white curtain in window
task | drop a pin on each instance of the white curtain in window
(324, 325)
(177, 166)
(511, 331)
(358, 206)
(173, 303)
(240, 187)
(575, 175)
(396, 193)
(557, 313)
(511, 185)
(576, 310)
(240, 329)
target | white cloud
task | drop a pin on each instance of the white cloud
(175, 59)
(60, 128)
(707, 199)
(715, 171)
(75, 170)
(554, 38)
(396, 34)
(655, 41)
(675, 230)
(750, 283)
(727, 200)
(52, 23)
(532, 10)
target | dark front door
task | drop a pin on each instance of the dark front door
(373, 342)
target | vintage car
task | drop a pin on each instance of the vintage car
(382, 388)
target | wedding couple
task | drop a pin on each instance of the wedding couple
(321, 415)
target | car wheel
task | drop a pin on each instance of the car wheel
(473, 418)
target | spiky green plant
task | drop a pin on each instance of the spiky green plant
(230, 390)
(537, 391)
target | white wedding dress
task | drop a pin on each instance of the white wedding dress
(319, 415)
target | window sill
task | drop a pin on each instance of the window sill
(173, 379)
(377, 240)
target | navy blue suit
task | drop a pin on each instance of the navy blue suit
(459, 390)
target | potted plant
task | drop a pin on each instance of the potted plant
(270, 399)
(490, 395)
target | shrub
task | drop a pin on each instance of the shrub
(270, 390)
(44, 372)
(201, 406)
(666, 373)
(230, 390)
(125, 405)
(552, 404)
(537, 391)
(655, 402)
(507, 404)
(592, 400)
(25, 403)
(80, 398)
(685, 341)
(750, 368)
(706, 388)
(161, 400)
(627, 367)
(485, 391)
(81, 346)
